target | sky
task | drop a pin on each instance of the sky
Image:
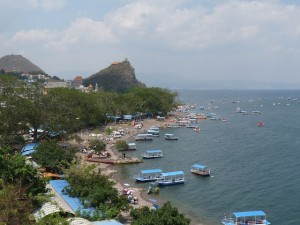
(198, 44)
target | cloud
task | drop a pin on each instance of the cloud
(176, 36)
(50, 5)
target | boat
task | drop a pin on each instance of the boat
(191, 126)
(260, 124)
(170, 178)
(144, 137)
(246, 218)
(170, 137)
(172, 125)
(200, 170)
(151, 154)
(131, 146)
(149, 175)
(197, 129)
(153, 188)
(255, 112)
(154, 131)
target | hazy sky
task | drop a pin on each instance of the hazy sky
(170, 43)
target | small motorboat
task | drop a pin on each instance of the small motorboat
(260, 124)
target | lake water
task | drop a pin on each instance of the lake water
(252, 167)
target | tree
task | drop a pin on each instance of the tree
(20, 188)
(122, 145)
(53, 219)
(166, 215)
(15, 170)
(53, 157)
(97, 192)
(97, 145)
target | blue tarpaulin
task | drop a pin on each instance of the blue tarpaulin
(74, 203)
(249, 213)
(29, 148)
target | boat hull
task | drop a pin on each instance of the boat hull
(166, 183)
(204, 174)
(151, 157)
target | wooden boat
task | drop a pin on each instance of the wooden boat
(170, 178)
(152, 154)
(144, 137)
(246, 218)
(149, 175)
(170, 137)
(200, 170)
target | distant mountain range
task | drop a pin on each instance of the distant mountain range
(18, 63)
(119, 76)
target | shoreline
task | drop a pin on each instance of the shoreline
(112, 173)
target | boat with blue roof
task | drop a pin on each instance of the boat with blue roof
(152, 154)
(246, 218)
(200, 170)
(170, 178)
(149, 175)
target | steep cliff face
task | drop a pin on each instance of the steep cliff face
(18, 63)
(119, 76)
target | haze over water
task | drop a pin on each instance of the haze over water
(253, 168)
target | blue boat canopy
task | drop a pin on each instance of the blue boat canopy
(172, 173)
(151, 171)
(199, 166)
(153, 151)
(249, 213)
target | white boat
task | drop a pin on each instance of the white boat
(144, 137)
(246, 218)
(131, 146)
(154, 131)
(149, 175)
(200, 170)
(170, 178)
(170, 137)
(151, 154)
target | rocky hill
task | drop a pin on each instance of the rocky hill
(18, 63)
(119, 76)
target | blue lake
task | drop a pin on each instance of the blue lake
(253, 168)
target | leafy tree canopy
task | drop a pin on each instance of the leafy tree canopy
(166, 215)
(98, 191)
(53, 157)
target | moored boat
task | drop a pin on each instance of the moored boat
(170, 178)
(200, 170)
(154, 131)
(260, 124)
(246, 218)
(131, 146)
(170, 137)
(144, 137)
(149, 175)
(151, 154)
